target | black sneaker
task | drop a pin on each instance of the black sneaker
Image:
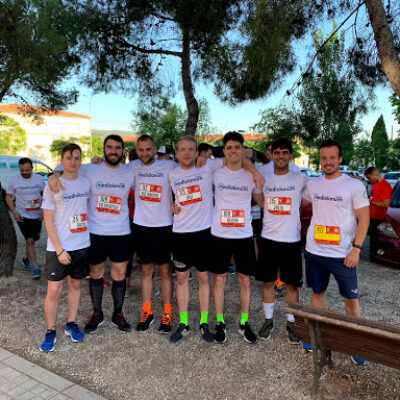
(220, 333)
(205, 333)
(146, 320)
(266, 330)
(247, 333)
(182, 331)
(120, 322)
(292, 333)
(165, 326)
(95, 321)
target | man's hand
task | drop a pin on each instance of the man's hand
(201, 161)
(64, 258)
(54, 184)
(352, 258)
(96, 160)
(17, 216)
(175, 209)
(258, 179)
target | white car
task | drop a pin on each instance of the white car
(392, 177)
(309, 172)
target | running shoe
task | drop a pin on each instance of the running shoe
(146, 320)
(358, 360)
(72, 330)
(220, 333)
(307, 347)
(205, 333)
(182, 331)
(120, 322)
(231, 270)
(165, 326)
(247, 333)
(268, 327)
(292, 333)
(49, 341)
(280, 291)
(36, 273)
(25, 264)
(96, 320)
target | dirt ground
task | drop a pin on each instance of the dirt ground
(148, 366)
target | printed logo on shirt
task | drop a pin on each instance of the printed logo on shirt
(101, 185)
(29, 187)
(279, 188)
(243, 188)
(68, 197)
(151, 174)
(185, 181)
(318, 197)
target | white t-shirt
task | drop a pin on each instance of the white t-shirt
(270, 167)
(194, 195)
(232, 211)
(108, 202)
(282, 200)
(333, 223)
(28, 194)
(70, 214)
(153, 195)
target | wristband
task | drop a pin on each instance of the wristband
(357, 246)
(59, 254)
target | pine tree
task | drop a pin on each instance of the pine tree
(380, 143)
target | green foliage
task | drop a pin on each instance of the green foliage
(37, 39)
(363, 153)
(380, 143)
(12, 136)
(395, 100)
(393, 159)
(128, 147)
(83, 141)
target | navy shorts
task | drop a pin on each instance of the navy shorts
(319, 269)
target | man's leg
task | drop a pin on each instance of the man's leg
(74, 298)
(352, 307)
(219, 295)
(318, 300)
(30, 251)
(146, 318)
(182, 294)
(51, 303)
(166, 287)
(204, 293)
(244, 293)
(292, 296)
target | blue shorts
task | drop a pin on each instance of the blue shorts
(319, 269)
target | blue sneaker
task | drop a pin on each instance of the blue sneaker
(25, 264)
(72, 330)
(231, 270)
(307, 347)
(36, 273)
(49, 340)
(358, 360)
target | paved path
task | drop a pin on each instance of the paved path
(23, 380)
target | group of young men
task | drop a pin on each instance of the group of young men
(199, 211)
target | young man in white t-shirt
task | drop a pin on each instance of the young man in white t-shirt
(27, 188)
(232, 233)
(66, 221)
(337, 231)
(279, 244)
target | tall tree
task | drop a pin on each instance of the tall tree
(363, 153)
(380, 143)
(127, 44)
(37, 39)
(12, 136)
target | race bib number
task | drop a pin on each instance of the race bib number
(150, 192)
(32, 205)
(78, 223)
(232, 218)
(279, 205)
(327, 235)
(108, 204)
(189, 195)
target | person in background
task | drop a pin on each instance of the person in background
(205, 150)
(164, 153)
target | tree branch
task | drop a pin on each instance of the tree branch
(150, 51)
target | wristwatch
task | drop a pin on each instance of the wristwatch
(357, 246)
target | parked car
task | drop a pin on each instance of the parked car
(309, 172)
(392, 177)
(343, 168)
(9, 168)
(388, 232)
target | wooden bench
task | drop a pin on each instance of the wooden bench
(329, 331)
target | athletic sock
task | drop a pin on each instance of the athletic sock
(290, 317)
(245, 318)
(203, 317)
(220, 318)
(96, 288)
(268, 310)
(183, 317)
(167, 309)
(147, 308)
(118, 294)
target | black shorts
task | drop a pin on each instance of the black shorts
(257, 227)
(242, 250)
(153, 244)
(78, 269)
(191, 249)
(279, 256)
(30, 228)
(117, 248)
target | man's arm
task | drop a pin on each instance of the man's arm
(10, 204)
(258, 178)
(259, 198)
(353, 257)
(383, 203)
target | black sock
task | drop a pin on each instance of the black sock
(96, 293)
(118, 294)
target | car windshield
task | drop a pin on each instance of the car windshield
(395, 202)
(392, 175)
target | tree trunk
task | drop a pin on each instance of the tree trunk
(191, 102)
(384, 43)
(8, 239)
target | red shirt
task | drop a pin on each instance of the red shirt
(131, 203)
(380, 191)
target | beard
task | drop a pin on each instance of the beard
(113, 162)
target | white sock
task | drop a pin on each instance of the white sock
(290, 317)
(268, 310)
